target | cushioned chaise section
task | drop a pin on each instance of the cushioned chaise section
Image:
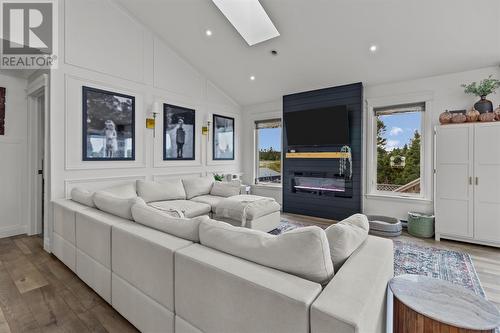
(144, 257)
(212, 200)
(264, 223)
(182, 326)
(188, 208)
(218, 293)
(64, 250)
(143, 312)
(93, 234)
(95, 274)
(355, 299)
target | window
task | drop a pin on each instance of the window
(268, 146)
(398, 147)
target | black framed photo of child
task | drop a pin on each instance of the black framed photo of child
(108, 125)
(178, 133)
(223, 138)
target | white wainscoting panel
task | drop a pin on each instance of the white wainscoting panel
(102, 37)
(166, 177)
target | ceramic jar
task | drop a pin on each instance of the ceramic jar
(445, 117)
(472, 115)
(458, 118)
(487, 117)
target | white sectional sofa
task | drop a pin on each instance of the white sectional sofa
(220, 278)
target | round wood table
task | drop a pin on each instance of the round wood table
(423, 304)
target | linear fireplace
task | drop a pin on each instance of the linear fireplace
(321, 183)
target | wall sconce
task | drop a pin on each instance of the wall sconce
(205, 130)
(151, 122)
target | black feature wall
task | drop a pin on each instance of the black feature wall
(331, 207)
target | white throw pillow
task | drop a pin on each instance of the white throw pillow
(303, 252)
(226, 189)
(83, 196)
(115, 205)
(122, 191)
(198, 186)
(159, 220)
(345, 237)
(155, 191)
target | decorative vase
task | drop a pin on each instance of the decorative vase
(445, 117)
(487, 117)
(458, 118)
(497, 113)
(483, 105)
(472, 115)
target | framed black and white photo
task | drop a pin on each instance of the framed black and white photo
(223, 138)
(108, 126)
(178, 133)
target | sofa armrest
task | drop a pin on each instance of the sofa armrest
(355, 299)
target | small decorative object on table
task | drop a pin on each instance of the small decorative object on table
(423, 305)
(497, 113)
(483, 89)
(218, 177)
(445, 117)
(420, 225)
(487, 117)
(458, 118)
(472, 115)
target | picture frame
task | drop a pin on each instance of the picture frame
(179, 133)
(223, 138)
(108, 125)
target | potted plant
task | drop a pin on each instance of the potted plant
(483, 89)
(218, 177)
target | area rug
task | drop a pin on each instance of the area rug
(409, 258)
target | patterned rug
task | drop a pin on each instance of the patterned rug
(410, 258)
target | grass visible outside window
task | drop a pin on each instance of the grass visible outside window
(268, 138)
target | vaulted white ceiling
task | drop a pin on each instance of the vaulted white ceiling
(326, 42)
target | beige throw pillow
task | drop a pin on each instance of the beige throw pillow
(345, 237)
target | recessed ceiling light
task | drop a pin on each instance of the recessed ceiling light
(249, 18)
(252, 78)
(373, 48)
(208, 33)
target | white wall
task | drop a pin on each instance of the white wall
(103, 46)
(445, 93)
(13, 155)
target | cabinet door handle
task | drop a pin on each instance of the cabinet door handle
(470, 180)
(477, 180)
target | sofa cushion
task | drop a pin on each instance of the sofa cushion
(186, 228)
(209, 199)
(186, 207)
(115, 205)
(122, 191)
(226, 189)
(83, 196)
(246, 207)
(198, 186)
(302, 252)
(346, 236)
(166, 190)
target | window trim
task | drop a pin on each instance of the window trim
(256, 153)
(425, 151)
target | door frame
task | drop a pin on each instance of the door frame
(37, 88)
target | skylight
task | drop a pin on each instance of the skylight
(249, 18)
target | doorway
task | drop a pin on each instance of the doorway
(37, 155)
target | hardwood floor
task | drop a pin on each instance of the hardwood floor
(38, 293)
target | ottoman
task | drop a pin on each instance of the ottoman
(249, 211)
(384, 226)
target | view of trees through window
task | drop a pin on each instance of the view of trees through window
(398, 152)
(269, 152)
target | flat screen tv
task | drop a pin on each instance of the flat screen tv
(318, 127)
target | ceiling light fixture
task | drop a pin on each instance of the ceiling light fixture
(252, 78)
(373, 48)
(249, 18)
(208, 33)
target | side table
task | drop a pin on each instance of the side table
(423, 305)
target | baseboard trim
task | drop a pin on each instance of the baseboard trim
(12, 231)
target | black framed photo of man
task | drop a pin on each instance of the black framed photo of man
(108, 120)
(178, 133)
(223, 138)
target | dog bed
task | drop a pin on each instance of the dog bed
(384, 226)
